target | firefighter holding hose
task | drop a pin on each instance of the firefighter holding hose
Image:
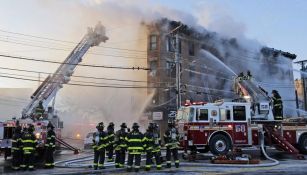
(277, 105)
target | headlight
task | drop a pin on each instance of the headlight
(37, 135)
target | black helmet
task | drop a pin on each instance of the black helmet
(170, 124)
(31, 128)
(274, 92)
(50, 125)
(18, 129)
(100, 126)
(135, 126)
(111, 124)
(151, 126)
(123, 125)
(156, 126)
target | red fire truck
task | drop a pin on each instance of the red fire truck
(222, 125)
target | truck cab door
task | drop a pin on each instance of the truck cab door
(240, 130)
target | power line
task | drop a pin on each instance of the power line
(61, 49)
(80, 76)
(88, 85)
(85, 65)
(65, 41)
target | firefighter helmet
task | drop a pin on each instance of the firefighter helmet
(151, 126)
(171, 123)
(274, 92)
(135, 126)
(123, 125)
(50, 125)
(111, 124)
(100, 126)
(31, 128)
(18, 129)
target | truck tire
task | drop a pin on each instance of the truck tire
(219, 144)
(302, 144)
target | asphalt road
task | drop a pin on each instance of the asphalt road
(288, 165)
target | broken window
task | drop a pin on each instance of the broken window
(171, 44)
(153, 67)
(153, 42)
(191, 49)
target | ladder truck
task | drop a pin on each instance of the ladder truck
(223, 125)
(47, 91)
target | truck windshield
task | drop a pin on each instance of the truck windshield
(185, 114)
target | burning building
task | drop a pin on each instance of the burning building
(208, 63)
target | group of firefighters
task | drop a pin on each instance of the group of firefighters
(24, 146)
(135, 143)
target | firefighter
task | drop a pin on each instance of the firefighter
(171, 138)
(249, 75)
(39, 111)
(100, 142)
(17, 148)
(152, 143)
(29, 144)
(50, 146)
(120, 146)
(277, 105)
(110, 148)
(135, 147)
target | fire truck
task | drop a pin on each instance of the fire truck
(226, 124)
(46, 93)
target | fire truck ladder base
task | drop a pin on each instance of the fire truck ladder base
(282, 142)
(68, 146)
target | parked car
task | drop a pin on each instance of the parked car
(88, 141)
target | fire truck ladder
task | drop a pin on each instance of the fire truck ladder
(68, 146)
(282, 142)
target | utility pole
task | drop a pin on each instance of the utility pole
(303, 76)
(178, 72)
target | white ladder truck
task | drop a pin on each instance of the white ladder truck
(47, 91)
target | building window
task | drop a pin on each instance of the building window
(202, 114)
(191, 49)
(192, 69)
(171, 44)
(153, 67)
(153, 42)
(239, 113)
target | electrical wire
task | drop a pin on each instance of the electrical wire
(85, 65)
(64, 41)
(88, 85)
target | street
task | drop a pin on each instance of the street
(288, 165)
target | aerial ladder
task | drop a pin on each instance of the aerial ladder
(47, 91)
(260, 101)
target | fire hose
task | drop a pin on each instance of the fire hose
(273, 163)
(73, 163)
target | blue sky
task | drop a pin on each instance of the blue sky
(281, 24)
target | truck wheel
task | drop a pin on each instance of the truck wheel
(302, 144)
(219, 144)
